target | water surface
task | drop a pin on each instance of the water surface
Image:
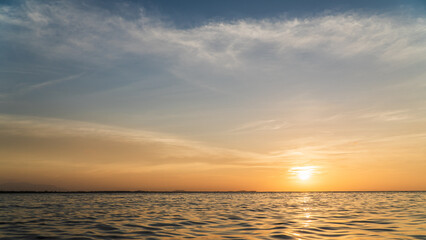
(352, 215)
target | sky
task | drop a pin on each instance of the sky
(214, 95)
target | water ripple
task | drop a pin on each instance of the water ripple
(362, 215)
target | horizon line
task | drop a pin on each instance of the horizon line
(183, 191)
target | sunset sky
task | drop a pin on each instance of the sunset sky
(214, 95)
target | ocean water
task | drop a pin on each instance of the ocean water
(351, 215)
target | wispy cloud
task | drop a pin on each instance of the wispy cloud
(397, 115)
(52, 82)
(224, 45)
(263, 125)
(145, 147)
(276, 57)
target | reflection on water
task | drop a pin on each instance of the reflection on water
(360, 215)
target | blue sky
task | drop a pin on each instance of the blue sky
(263, 79)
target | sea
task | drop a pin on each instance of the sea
(251, 215)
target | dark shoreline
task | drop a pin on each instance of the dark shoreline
(190, 192)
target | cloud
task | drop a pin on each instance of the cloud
(63, 29)
(398, 115)
(246, 63)
(244, 59)
(94, 143)
(52, 82)
(263, 125)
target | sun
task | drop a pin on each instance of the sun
(303, 173)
